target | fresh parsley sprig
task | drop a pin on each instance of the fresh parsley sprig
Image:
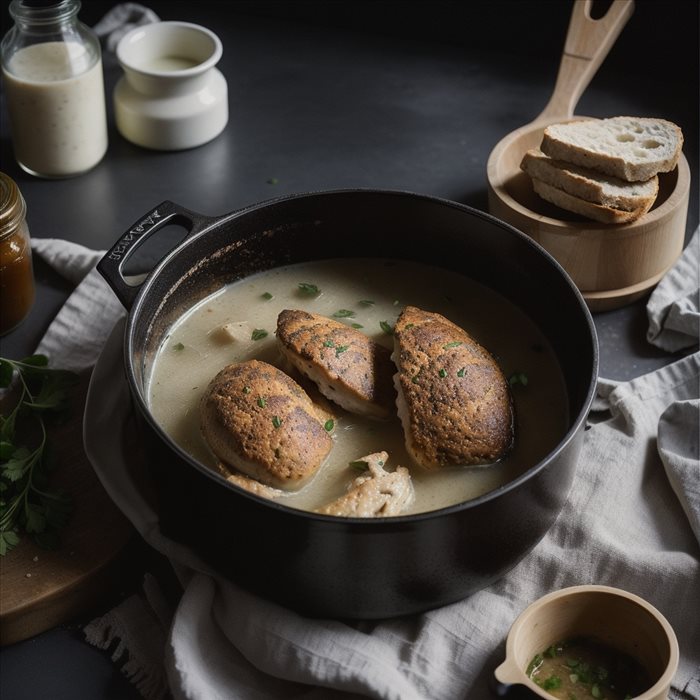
(27, 502)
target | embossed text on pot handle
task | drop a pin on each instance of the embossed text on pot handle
(111, 266)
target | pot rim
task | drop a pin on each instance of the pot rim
(137, 393)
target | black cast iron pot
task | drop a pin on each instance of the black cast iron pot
(351, 567)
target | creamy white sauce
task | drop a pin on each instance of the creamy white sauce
(169, 63)
(55, 97)
(196, 350)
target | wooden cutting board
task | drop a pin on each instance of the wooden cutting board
(40, 589)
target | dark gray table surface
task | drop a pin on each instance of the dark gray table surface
(409, 96)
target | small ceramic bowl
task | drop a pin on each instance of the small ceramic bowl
(614, 617)
(171, 95)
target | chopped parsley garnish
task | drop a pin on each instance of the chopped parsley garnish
(28, 502)
(366, 302)
(460, 373)
(329, 425)
(356, 325)
(551, 651)
(340, 349)
(517, 378)
(246, 390)
(409, 325)
(178, 347)
(276, 421)
(307, 288)
(554, 682)
(359, 464)
(344, 313)
(443, 373)
(267, 296)
(258, 334)
(261, 402)
(389, 330)
(328, 344)
(534, 664)
(454, 344)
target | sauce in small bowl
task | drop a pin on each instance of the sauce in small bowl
(591, 642)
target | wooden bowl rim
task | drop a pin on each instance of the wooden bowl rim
(539, 608)
(654, 216)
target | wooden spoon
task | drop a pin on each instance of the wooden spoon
(610, 270)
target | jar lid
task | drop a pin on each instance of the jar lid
(12, 205)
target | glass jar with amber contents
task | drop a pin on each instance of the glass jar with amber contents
(16, 274)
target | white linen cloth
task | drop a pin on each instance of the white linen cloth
(119, 21)
(631, 521)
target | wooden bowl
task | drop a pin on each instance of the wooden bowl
(612, 265)
(614, 617)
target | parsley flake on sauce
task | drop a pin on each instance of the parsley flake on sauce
(308, 288)
(258, 334)
(518, 378)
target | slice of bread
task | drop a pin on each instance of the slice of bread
(590, 185)
(597, 212)
(630, 148)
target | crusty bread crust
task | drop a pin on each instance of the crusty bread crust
(597, 212)
(590, 185)
(629, 148)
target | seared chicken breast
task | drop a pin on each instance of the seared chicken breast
(376, 493)
(348, 367)
(259, 420)
(453, 399)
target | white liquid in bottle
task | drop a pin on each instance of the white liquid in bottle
(57, 108)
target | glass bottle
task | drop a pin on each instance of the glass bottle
(16, 275)
(52, 73)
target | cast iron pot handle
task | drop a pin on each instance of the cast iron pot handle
(111, 265)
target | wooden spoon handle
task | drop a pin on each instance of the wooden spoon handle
(588, 42)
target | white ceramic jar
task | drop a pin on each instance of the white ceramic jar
(171, 95)
(52, 74)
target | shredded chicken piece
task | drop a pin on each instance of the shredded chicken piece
(375, 494)
(248, 483)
